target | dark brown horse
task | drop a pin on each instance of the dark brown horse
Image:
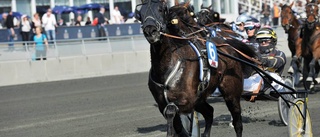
(292, 27)
(310, 66)
(315, 49)
(209, 18)
(180, 75)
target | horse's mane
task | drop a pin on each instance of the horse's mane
(315, 35)
(283, 6)
(246, 49)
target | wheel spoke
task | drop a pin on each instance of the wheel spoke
(294, 125)
(296, 133)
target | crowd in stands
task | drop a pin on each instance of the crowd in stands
(47, 24)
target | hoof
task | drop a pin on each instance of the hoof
(231, 125)
(290, 70)
(309, 79)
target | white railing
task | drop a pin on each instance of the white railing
(76, 47)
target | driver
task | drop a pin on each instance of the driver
(251, 28)
(240, 25)
(272, 59)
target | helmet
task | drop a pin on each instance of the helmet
(251, 23)
(266, 33)
(241, 19)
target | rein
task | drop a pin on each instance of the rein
(183, 38)
(218, 45)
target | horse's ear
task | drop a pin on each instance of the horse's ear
(176, 2)
(291, 4)
(281, 5)
(201, 7)
(210, 7)
(187, 4)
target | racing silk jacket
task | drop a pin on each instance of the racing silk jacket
(242, 33)
(252, 42)
(276, 61)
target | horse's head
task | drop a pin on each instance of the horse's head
(287, 16)
(312, 14)
(181, 18)
(151, 14)
(206, 15)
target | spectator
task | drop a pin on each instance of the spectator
(95, 21)
(101, 22)
(299, 10)
(61, 23)
(25, 28)
(78, 22)
(116, 17)
(39, 39)
(265, 12)
(49, 23)
(3, 21)
(36, 22)
(88, 21)
(72, 22)
(11, 33)
(275, 15)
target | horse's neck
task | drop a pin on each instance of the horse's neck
(307, 32)
(293, 31)
(161, 55)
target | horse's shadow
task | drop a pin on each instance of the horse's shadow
(160, 127)
(222, 120)
(276, 123)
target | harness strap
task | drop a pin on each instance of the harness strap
(246, 56)
(218, 45)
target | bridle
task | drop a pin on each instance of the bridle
(203, 12)
(287, 26)
(312, 13)
(160, 25)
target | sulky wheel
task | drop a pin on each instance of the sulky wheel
(283, 107)
(190, 123)
(296, 121)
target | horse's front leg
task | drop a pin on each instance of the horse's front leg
(295, 63)
(170, 112)
(207, 112)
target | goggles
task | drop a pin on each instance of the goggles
(249, 27)
(239, 24)
(264, 40)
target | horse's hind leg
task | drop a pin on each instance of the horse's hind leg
(233, 103)
(312, 71)
(317, 69)
(207, 112)
(305, 72)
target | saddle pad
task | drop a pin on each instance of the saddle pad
(212, 54)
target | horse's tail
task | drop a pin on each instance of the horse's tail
(245, 49)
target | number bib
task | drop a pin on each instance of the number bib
(212, 54)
